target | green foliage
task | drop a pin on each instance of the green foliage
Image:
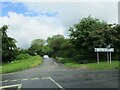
(9, 49)
(47, 50)
(55, 42)
(64, 60)
(59, 46)
(38, 42)
(67, 49)
(22, 56)
(37, 47)
(88, 33)
(116, 40)
(23, 51)
(92, 33)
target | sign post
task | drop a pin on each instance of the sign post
(107, 57)
(108, 50)
(110, 57)
(98, 57)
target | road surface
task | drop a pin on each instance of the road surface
(56, 76)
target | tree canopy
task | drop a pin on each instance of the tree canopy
(37, 47)
(8, 45)
(55, 42)
(90, 33)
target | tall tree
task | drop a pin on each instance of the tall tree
(47, 50)
(9, 47)
(67, 49)
(55, 42)
(116, 40)
(88, 34)
(37, 46)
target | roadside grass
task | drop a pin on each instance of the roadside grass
(95, 66)
(21, 64)
(0, 69)
(72, 65)
(103, 65)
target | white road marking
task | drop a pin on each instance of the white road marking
(56, 83)
(17, 85)
(64, 70)
(34, 78)
(5, 81)
(24, 79)
(13, 80)
(20, 85)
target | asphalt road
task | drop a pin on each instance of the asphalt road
(53, 75)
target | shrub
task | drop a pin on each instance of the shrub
(22, 56)
(64, 60)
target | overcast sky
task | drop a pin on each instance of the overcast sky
(31, 20)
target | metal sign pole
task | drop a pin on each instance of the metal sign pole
(97, 57)
(110, 57)
(107, 57)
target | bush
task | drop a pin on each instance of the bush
(22, 56)
(82, 62)
(59, 59)
(64, 60)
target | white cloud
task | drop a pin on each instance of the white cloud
(72, 12)
(24, 28)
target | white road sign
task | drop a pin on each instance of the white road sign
(104, 49)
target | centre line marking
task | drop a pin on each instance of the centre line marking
(56, 83)
(34, 78)
(13, 80)
(24, 79)
(64, 70)
(5, 81)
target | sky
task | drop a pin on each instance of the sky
(33, 20)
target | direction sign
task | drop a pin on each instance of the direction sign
(104, 49)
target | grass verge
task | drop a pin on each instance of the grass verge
(95, 66)
(103, 65)
(21, 64)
